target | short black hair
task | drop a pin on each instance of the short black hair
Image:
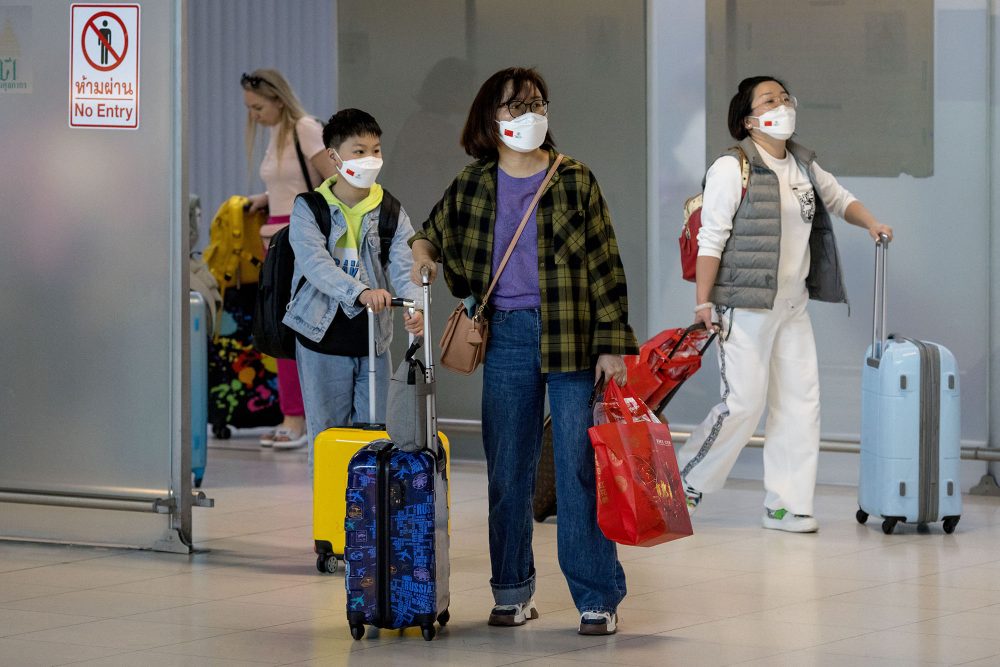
(739, 106)
(481, 135)
(348, 123)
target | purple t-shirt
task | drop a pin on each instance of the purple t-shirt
(518, 284)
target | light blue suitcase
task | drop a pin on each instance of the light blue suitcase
(199, 387)
(910, 447)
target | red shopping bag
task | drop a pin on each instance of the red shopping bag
(640, 498)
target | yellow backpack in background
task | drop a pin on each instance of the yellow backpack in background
(235, 253)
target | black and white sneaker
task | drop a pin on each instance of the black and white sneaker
(513, 614)
(598, 623)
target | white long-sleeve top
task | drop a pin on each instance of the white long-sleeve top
(722, 197)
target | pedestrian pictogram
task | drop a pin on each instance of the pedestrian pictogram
(104, 66)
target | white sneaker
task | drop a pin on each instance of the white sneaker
(782, 519)
(514, 614)
(598, 623)
(267, 439)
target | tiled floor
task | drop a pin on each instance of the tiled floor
(732, 594)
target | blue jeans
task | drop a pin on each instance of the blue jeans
(335, 390)
(513, 405)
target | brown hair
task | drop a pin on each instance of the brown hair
(269, 83)
(480, 136)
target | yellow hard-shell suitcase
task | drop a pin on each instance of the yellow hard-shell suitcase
(332, 451)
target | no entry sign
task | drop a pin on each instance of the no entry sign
(104, 66)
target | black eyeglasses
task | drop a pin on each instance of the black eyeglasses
(251, 80)
(520, 107)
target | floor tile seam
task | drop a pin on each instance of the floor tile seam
(109, 655)
(317, 655)
(189, 603)
(224, 632)
(857, 632)
(94, 619)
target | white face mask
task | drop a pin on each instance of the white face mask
(360, 173)
(778, 122)
(525, 133)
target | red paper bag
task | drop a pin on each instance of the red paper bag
(640, 498)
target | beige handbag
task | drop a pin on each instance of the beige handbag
(463, 344)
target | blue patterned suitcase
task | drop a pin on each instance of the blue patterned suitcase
(396, 527)
(199, 387)
(396, 555)
(910, 427)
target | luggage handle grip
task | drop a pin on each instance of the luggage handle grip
(878, 300)
(697, 326)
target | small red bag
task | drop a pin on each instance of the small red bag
(640, 498)
(692, 222)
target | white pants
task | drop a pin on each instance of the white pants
(769, 359)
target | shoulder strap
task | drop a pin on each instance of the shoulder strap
(320, 210)
(388, 220)
(302, 160)
(517, 234)
(744, 169)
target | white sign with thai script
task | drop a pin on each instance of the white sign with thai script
(104, 66)
(15, 40)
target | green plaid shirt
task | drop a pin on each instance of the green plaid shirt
(580, 274)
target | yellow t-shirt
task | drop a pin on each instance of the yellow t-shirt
(345, 253)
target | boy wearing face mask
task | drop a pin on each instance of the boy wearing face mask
(762, 255)
(344, 276)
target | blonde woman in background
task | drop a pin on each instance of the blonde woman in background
(271, 102)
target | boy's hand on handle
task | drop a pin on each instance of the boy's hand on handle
(375, 299)
(414, 323)
(611, 366)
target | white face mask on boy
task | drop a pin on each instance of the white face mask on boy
(778, 122)
(360, 172)
(525, 133)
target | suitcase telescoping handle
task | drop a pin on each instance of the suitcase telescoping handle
(878, 302)
(396, 302)
(432, 430)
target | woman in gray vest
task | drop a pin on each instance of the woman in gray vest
(762, 255)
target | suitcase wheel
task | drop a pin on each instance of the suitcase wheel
(923, 528)
(428, 632)
(357, 631)
(889, 525)
(861, 516)
(222, 432)
(327, 564)
(444, 617)
(949, 523)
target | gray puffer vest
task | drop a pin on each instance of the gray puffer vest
(748, 270)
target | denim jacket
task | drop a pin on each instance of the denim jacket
(327, 287)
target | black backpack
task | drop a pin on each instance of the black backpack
(270, 335)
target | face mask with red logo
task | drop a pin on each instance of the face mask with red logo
(525, 133)
(361, 173)
(778, 122)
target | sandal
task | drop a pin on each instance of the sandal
(285, 438)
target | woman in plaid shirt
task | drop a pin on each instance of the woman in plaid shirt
(558, 319)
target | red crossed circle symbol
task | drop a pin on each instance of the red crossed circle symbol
(92, 24)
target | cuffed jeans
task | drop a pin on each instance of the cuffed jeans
(513, 404)
(335, 390)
